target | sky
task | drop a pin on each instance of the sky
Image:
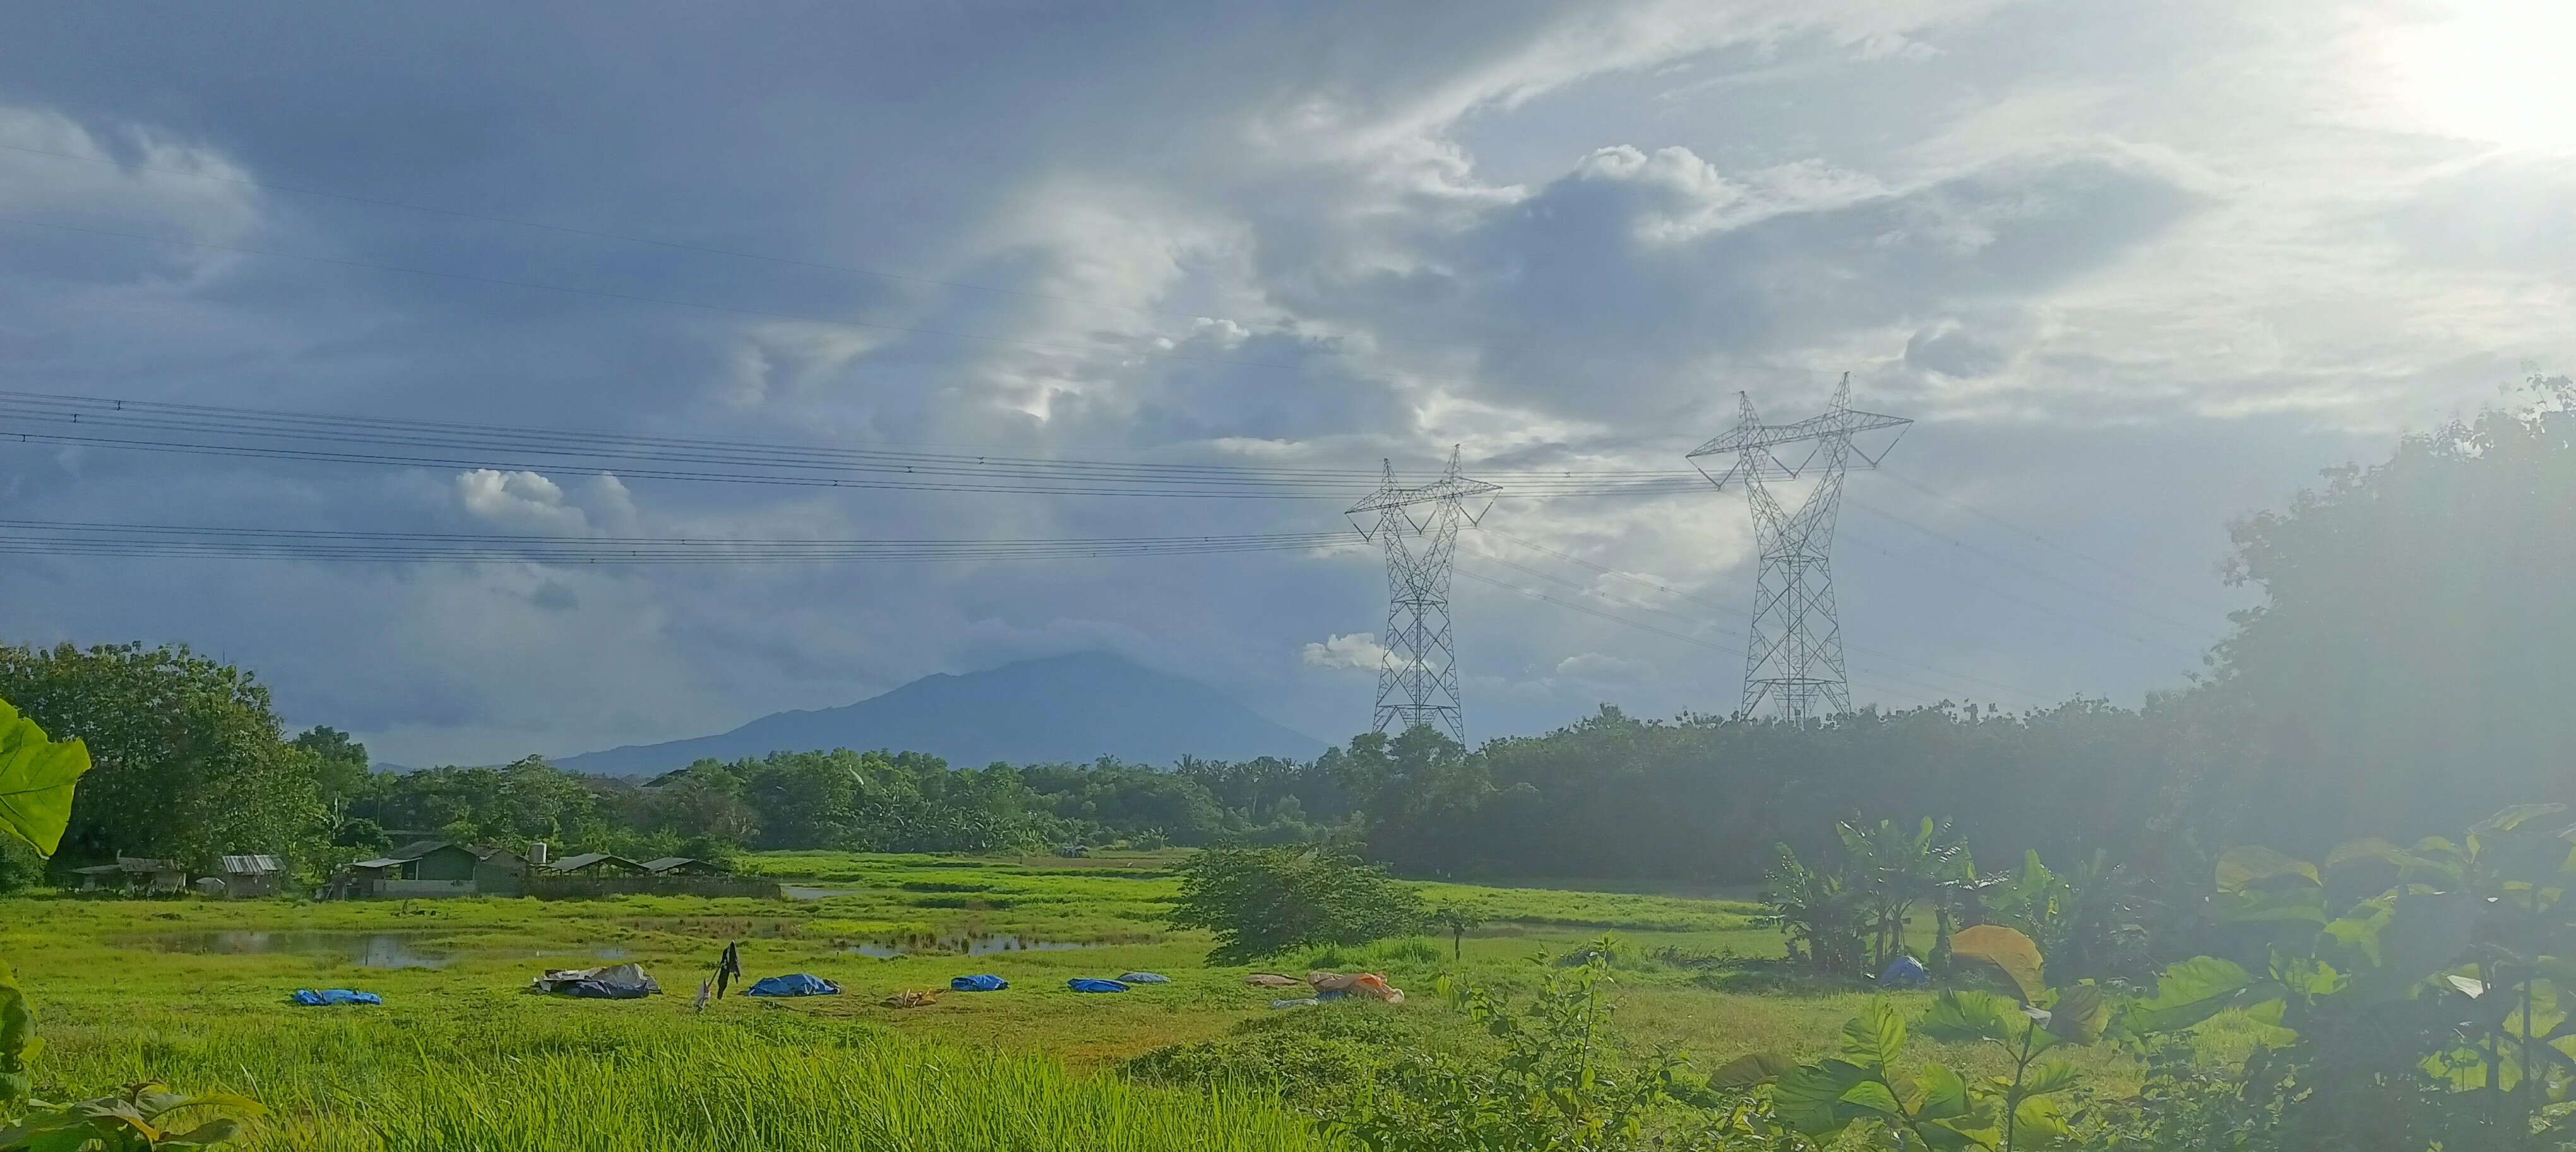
(2135, 270)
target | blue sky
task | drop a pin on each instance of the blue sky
(2135, 269)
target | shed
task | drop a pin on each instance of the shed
(439, 868)
(594, 864)
(142, 873)
(256, 875)
(685, 866)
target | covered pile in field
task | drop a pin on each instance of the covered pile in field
(793, 984)
(616, 982)
(1334, 985)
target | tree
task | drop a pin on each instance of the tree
(1457, 920)
(188, 758)
(2403, 674)
(1264, 901)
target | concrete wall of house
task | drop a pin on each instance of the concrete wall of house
(502, 875)
(389, 889)
(448, 863)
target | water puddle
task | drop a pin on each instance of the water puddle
(980, 944)
(364, 949)
(809, 892)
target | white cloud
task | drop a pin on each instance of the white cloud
(526, 501)
(1359, 650)
(1600, 668)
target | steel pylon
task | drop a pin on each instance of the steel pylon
(1417, 679)
(1794, 662)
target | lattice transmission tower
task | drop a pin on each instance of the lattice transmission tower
(1794, 663)
(1417, 680)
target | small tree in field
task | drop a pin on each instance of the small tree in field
(1264, 901)
(1457, 920)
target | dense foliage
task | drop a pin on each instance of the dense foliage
(1264, 901)
(188, 758)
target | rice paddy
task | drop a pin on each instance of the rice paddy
(461, 1056)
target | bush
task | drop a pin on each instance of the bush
(1265, 901)
(1306, 1055)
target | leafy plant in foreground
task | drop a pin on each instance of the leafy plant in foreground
(143, 1118)
(2431, 1015)
(36, 779)
(1557, 1086)
(1937, 1107)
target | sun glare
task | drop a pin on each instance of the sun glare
(2500, 71)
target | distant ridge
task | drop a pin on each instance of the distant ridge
(1063, 708)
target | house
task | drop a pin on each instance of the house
(134, 874)
(252, 876)
(437, 868)
(685, 866)
(594, 864)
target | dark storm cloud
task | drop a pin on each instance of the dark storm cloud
(1559, 234)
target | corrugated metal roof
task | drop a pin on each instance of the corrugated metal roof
(252, 865)
(586, 859)
(379, 862)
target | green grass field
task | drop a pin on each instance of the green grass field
(461, 1057)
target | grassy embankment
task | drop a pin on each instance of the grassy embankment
(460, 1058)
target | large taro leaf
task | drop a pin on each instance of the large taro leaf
(1959, 1017)
(18, 1041)
(2240, 869)
(1810, 1096)
(2005, 949)
(1875, 1038)
(36, 777)
(1750, 1069)
(1938, 1094)
(2189, 992)
(2080, 1013)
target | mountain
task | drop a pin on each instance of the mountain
(1064, 708)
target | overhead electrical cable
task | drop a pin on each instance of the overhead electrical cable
(2130, 606)
(1644, 627)
(87, 538)
(2024, 694)
(209, 430)
(2115, 569)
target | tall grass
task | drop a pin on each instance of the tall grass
(546, 1076)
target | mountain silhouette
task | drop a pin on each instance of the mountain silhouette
(1064, 708)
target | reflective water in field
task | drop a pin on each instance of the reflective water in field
(364, 949)
(980, 944)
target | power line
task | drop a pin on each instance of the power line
(1643, 627)
(90, 538)
(2034, 573)
(2035, 605)
(261, 433)
(2105, 565)
(2025, 694)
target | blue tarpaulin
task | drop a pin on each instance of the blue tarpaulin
(1904, 972)
(794, 984)
(981, 982)
(312, 999)
(1087, 984)
(1145, 978)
